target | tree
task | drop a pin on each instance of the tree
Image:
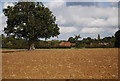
(31, 21)
(71, 39)
(88, 40)
(98, 36)
(77, 37)
(74, 39)
(117, 39)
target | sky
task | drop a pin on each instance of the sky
(85, 18)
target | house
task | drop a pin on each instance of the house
(103, 44)
(67, 44)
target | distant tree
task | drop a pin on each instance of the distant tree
(89, 40)
(98, 36)
(77, 37)
(71, 39)
(112, 42)
(106, 39)
(74, 39)
(54, 42)
(31, 21)
(117, 39)
(2, 36)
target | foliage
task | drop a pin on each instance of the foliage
(31, 21)
(117, 39)
(77, 37)
(71, 39)
(98, 36)
(12, 42)
(74, 39)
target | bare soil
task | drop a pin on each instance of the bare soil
(60, 64)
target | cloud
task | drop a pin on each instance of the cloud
(92, 30)
(61, 20)
(112, 30)
(81, 19)
(68, 29)
(2, 21)
(3, 18)
(84, 15)
(85, 19)
(53, 5)
(7, 4)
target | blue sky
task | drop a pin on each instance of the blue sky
(87, 19)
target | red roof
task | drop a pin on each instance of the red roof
(103, 43)
(66, 44)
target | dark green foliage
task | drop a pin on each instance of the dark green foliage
(12, 42)
(95, 43)
(16, 43)
(74, 39)
(110, 40)
(77, 37)
(88, 40)
(79, 44)
(98, 36)
(71, 39)
(117, 39)
(54, 42)
(31, 21)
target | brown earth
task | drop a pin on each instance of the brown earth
(60, 64)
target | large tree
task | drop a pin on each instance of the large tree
(117, 39)
(31, 21)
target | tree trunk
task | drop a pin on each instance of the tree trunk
(32, 46)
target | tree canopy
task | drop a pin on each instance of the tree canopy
(117, 39)
(31, 21)
(74, 39)
(98, 36)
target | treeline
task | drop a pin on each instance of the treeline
(107, 42)
(19, 43)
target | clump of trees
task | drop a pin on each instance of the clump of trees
(74, 39)
(117, 39)
(15, 43)
(88, 42)
(30, 21)
(12, 42)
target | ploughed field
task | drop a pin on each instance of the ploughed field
(60, 64)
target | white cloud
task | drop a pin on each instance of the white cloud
(53, 5)
(112, 30)
(86, 19)
(68, 29)
(7, 4)
(61, 20)
(3, 18)
(92, 30)
(2, 21)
